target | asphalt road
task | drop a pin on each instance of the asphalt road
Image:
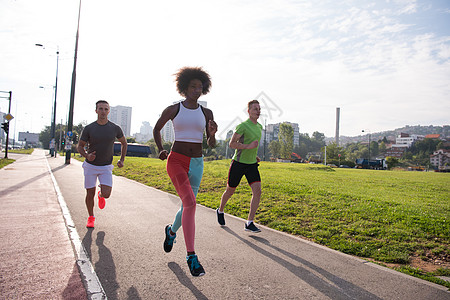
(126, 252)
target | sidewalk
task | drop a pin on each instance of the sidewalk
(37, 260)
(36, 256)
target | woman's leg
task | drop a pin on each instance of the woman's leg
(195, 177)
(178, 168)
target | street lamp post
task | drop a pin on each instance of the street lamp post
(53, 125)
(72, 91)
(368, 162)
(5, 125)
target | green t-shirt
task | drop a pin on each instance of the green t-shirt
(249, 132)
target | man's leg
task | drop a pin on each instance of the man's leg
(90, 193)
(256, 197)
(105, 191)
(225, 197)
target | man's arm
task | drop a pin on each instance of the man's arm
(235, 144)
(123, 151)
(80, 148)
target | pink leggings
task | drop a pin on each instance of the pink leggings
(179, 167)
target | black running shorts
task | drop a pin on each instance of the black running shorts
(237, 170)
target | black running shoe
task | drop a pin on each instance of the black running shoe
(169, 240)
(252, 228)
(220, 217)
(194, 265)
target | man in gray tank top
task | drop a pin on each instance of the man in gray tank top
(98, 138)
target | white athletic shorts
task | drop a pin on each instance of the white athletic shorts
(91, 173)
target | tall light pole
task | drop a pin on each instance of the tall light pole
(72, 93)
(5, 125)
(368, 162)
(53, 126)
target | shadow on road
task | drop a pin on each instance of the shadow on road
(59, 168)
(22, 184)
(133, 294)
(184, 280)
(87, 242)
(339, 289)
(106, 268)
(74, 289)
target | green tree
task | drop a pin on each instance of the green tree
(286, 140)
(131, 140)
(274, 148)
(45, 137)
(154, 149)
(333, 151)
(374, 150)
(391, 162)
(318, 137)
(382, 148)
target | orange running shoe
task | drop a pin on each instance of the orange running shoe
(101, 201)
(90, 222)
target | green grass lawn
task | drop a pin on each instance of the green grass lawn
(387, 216)
(21, 151)
(5, 161)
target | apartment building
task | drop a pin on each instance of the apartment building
(439, 158)
(121, 115)
(272, 131)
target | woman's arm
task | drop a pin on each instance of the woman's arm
(166, 115)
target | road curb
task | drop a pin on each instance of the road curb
(94, 288)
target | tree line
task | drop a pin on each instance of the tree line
(309, 148)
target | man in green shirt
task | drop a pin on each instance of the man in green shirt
(245, 162)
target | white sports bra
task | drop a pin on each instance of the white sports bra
(189, 124)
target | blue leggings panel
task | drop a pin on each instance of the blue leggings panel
(195, 177)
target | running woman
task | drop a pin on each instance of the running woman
(245, 162)
(185, 161)
(99, 136)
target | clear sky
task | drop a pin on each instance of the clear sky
(386, 64)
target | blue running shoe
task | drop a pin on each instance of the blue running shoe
(194, 265)
(169, 240)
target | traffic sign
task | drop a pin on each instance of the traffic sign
(9, 117)
(69, 133)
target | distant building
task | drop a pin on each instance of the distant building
(395, 151)
(402, 142)
(167, 132)
(272, 131)
(440, 158)
(121, 115)
(2, 132)
(433, 136)
(30, 139)
(407, 139)
(145, 134)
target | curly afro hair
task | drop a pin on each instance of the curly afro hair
(186, 74)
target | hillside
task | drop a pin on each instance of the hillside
(392, 134)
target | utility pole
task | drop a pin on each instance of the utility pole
(72, 93)
(265, 137)
(8, 117)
